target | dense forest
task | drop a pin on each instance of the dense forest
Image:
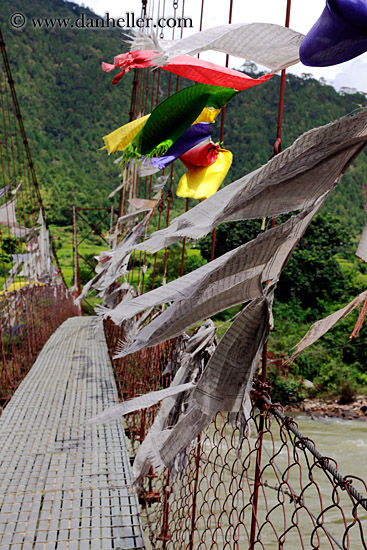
(69, 103)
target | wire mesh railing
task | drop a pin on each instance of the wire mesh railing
(245, 483)
(138, 374)
(207, 498)
(301, 505)
(29, 316)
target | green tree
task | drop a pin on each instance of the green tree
(313, 272)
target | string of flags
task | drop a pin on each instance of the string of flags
(165, 135)
(298, 179)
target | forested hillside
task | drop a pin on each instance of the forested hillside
(68, 104)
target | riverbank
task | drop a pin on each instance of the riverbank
(356, 410)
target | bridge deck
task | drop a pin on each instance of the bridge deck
(63, 483)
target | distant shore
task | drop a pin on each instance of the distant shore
(356, 410)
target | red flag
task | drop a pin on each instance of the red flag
(187, 67)
(201, 155)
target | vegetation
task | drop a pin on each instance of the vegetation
(68, 104)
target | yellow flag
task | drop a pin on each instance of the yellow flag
(201, 182)
(208, 114)
(120, 138)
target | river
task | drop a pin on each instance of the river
(343, 440)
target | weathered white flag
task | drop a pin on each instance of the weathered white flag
(234, 278)
(273, 46)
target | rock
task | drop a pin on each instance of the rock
(318, 408)
(349, 414)
(308, 384)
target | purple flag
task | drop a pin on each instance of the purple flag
(340, 34)
(194, 135)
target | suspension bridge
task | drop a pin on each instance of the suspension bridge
(245, 478)
(65, 483)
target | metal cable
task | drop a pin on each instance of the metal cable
(26, 145)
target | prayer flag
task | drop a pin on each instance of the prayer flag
(172, 117)
(188, 67)
(119, 139)
(200, 182)
(273, 46)
(194, 135)
(202, 155)
(340, 34)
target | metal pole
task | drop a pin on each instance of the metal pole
(195, 493)
(76, 270)
(277, 149)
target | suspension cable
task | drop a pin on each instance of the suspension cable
(26, 146)
(342, 481)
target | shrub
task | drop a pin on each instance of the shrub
(285, 389)
(347, 392)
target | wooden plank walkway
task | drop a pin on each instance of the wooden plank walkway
(63, 483)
